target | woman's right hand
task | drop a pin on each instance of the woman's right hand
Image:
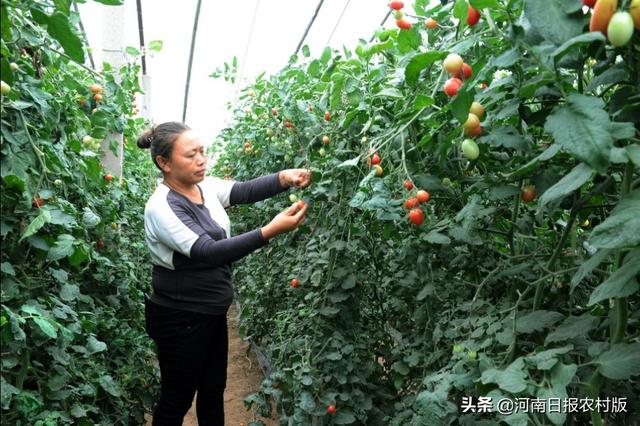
(286, 221)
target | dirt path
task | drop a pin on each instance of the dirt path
(243, 377)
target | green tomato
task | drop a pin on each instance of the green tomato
(472, 355)
(457, 348)
(446, 181)
(470, 149)
(4, 88)
(14, 67)
(620, 28)
(293, 198)
(57, 182)
(87, 140)
(322, 152)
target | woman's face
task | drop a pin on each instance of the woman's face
(188, 161)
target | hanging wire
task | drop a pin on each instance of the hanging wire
(84, 35)
(338, 23)
(246, 50)
(141, 36)
(193, 43)
(309, 25)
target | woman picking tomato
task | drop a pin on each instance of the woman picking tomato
(188, 233)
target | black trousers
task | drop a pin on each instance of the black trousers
(192, 351)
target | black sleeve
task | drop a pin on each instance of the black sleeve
(257, 189)
(221, 252)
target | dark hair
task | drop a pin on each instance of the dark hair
(161, 139)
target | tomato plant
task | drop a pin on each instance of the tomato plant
(74, 350)
(491, 296)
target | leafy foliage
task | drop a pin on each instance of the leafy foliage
(73, 263)
(491, 295)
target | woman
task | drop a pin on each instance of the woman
(188, 233)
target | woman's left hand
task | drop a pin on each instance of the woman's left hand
(298, 178)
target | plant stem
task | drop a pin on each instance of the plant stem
(621, 304)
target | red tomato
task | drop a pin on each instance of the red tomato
(451, 86)
(408, 184)
(331, 409)
(108, 178)
(295, 283)
(375, 159)
(411, 203)
(416, 216)
(403, 24)
(431, 23)
(466, 72)
(327, 115)
(396, 5)
(473, 16)
(528, 193)
(288, 124)
(589, 3)
(423, 196)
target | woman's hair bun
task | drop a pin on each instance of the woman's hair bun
(145, 139)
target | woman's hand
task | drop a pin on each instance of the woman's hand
(298, 178)
(286, 221)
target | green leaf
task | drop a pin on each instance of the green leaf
(572, 327)
(7, 268)
(562, 374)
(59, 28)
(460, 10)
(481, 4)
(420, 62)
(585, 38)
(42, 219)
(588, 266)
(435, 237)
(130, 50)
(7, 390)
(582, 127)
(577, 177)
(110, 386)
(512, 379)
(94, 346)
(111, 2)
(615, 74)
(307, 402)
(507, 59)
(343, 417)
(326, 55)
(633, 152)
(62, 248)
(536, 321)
(622, 283)
(550, 20)
(89, 218)
(545, 360)
(409, 40)
(305, 51)
(557, 415)
(531, 165)
(621, 362)
(69, 292)
(155, 46)
(622, 227)
(506, 136)
(46, 326)
(390, 92)
(460, 105)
